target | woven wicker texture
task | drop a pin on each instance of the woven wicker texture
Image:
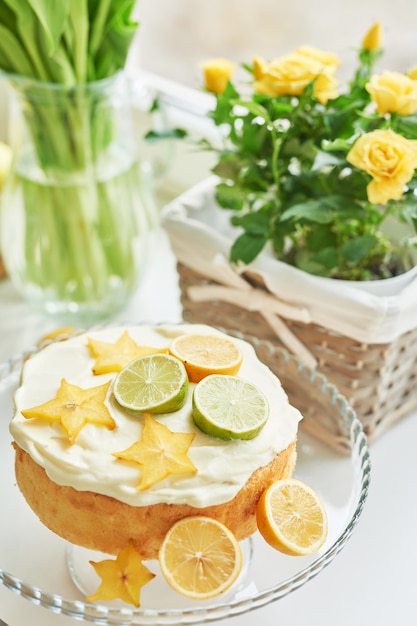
(378, 380)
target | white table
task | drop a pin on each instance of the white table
(371, 582)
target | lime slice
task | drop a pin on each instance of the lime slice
(229, 407)
(156, 383)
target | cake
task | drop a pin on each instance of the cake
(89, 496)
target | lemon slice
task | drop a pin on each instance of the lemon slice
(203, 355)
(155, 383)
(200, 557)
(62, 331)
(292, 518)
(229, 407)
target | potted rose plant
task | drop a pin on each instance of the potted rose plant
(312, 207)
(314, 171)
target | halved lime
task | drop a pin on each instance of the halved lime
(156, 383)
(229, 407)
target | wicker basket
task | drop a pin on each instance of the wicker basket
(378, 380)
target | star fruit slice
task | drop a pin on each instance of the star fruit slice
(113, 357)
(160, 453)
(74, 407)
(121, 578)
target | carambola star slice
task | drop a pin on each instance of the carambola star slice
(160, 453)
(73, 407)
(113, 357)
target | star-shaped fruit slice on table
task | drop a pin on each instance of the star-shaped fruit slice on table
(113, 357)
(73, 407)
(160, 453)
(122, 577)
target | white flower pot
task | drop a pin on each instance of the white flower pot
(370, 311)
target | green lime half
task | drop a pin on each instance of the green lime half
(229, 407)
(156, 383)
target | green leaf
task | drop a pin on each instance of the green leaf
(406, 126)
(357, 249)
(228, 166)
(325, 158)
(342, 202)
(255, 222)
(7, 17)
(61, 68)
(100, 12)
(169, 133)
(279, 107)
(407, 208)
(112, 33)
(253, 107)
(27, 32)
(13, 56)
(251, 139)
(313, 211)
(246, 248)
(305, 151)
(327, 257)
(255, 178)
(305, 261)
(77, 33)
(337, 145)
(52, 16)
(224, 107)
(321, 237)
(229, 197)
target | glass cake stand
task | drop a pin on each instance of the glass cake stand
(46, 570)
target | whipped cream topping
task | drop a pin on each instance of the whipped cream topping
(223, 467)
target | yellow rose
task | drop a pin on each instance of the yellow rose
(393, 92)
(326, 59)
(412, 73)
(217, 73)
(373, 38)
(389, 158)
(290, 75)
(259, 66)
(325, 87)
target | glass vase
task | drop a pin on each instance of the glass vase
(74, 227)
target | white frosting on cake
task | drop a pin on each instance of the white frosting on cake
(89, 464)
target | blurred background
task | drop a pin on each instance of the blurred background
(175, 36)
